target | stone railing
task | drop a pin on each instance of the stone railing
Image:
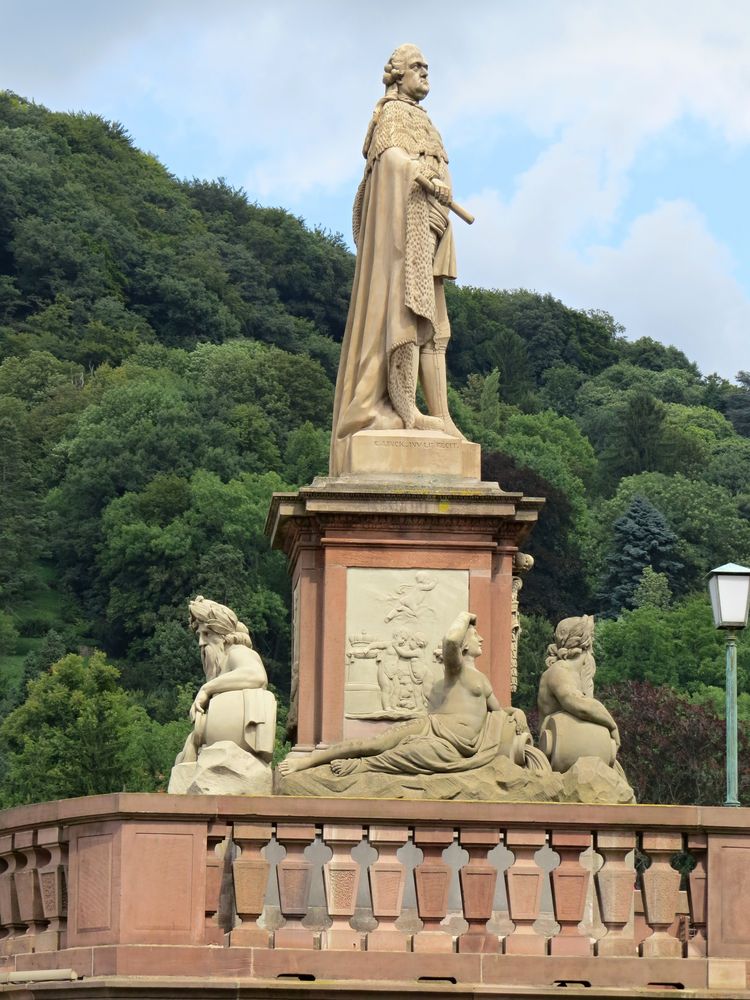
(266, 888)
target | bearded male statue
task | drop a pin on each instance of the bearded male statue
(233, 714)
(397, 330)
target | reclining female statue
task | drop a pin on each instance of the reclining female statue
(466, 727)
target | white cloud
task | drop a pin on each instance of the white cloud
(668, 278)
(277, 97)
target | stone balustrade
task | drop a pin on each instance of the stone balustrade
(529, 895)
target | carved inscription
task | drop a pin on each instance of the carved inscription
(452, 445)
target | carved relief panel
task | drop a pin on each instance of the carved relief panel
(395, 622)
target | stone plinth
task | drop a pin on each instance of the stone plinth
(379, 571)
(396, 454)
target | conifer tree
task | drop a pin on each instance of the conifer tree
(642, 537)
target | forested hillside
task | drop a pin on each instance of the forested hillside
(168, 352)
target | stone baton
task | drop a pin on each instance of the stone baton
(460, 212)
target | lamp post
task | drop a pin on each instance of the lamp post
(729, 587)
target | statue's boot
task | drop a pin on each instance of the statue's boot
(432, 371)
(403, 369)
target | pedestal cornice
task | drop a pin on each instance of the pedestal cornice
(457, 508)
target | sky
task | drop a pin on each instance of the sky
(603, 145)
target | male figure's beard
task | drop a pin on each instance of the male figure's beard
(212, 657)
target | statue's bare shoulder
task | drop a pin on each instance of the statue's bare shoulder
(247, 661)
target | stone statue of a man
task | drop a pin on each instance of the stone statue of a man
(233, 714)
(397, 329)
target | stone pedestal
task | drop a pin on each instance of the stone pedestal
(413, 453)
(379, 571)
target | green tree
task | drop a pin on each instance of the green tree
(678, 646)
(552, 333)
(560, 387)
(20, 515)
(51, 649)
(306, 454)
(709, 522)
(78, 733)
(638, 441)
(653, 590)
(176, 538)
(738, 404)
(8, 634)
(728, 464)
(649, 353)
(544, 441)
(641, 538)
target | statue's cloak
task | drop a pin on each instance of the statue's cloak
(397, 295)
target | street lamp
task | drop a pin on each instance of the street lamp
(729, 587)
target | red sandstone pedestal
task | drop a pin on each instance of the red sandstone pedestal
(370, 560)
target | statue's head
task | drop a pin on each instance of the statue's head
(574, 638)
(472, 644)
(574, 634)
(405, 73)
(216, 626)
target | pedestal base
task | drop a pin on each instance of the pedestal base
(409, 453)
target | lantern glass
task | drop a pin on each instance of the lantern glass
(730, 596)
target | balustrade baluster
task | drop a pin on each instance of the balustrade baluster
(524, 881)
(661, 889)
(433, 878)
(697, 886)
(250, 879)
(570, 882)
(53, 884)
(341, 881)
(478, 881)
(294, 874)
(10, 917)
(28, 889)
(217, 835)
(615, 884)
(387, 881)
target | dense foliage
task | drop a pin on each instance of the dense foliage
(167, 357)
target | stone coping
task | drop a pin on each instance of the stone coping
(160, 806)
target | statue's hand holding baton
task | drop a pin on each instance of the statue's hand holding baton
(432, 189)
